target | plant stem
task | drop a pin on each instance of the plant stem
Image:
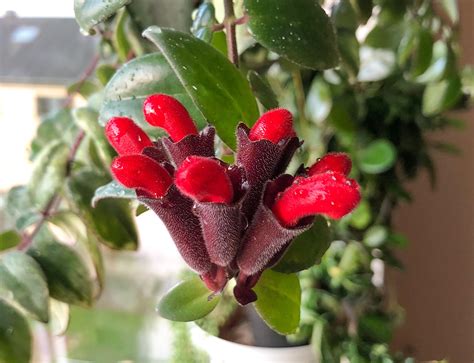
(229, 25)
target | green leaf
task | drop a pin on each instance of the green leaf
(343, 16)
(387, 36)
(15, 336)
(299, 30)
(187, 301)
(67, 275)
(363, 9)
(318, 101)
(20, 207)
(84, 88)
(92, 12)
(203, 21)
(307, 249)
(134, 82)
(87, 242)
(375, 236)
(87, 120)
(278, 301)
(349, 50)
(423, 53)
(361, 216)
(120, 40)
(104, 73)
(55, 126)
(262, 90)
(377, 157)
(49, 172)
(215, 85)
(9, 239)
(112, 218)
(112, 190)
(23, 282)
(375, 328)
(441, 96)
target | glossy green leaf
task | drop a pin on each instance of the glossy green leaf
(278, 301)
(204, 19)
(307, 249)
(87, 120)
(111, 218)
(216, 86)
(49, 172)
(134, 82)
(386, 36)
(423, 53)
(187, 301)
(299, 30)
(92, 12)
(9, 239)
(68, 277)
(377, 157)
(443, 63)
(112, 190)
(375, 236)
(23, 282)
(441, 96)
(262, 90)
(15, 336)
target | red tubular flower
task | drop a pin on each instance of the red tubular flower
(168, 113)
(125, 136)
(336, 162)
(142, 173)
(331, 194)
(274, 125)
(204, 180)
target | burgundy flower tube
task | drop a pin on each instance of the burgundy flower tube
(217, 193)
(264, 152)
(184, 140)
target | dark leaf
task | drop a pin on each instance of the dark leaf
(262, 90)
(15, 336)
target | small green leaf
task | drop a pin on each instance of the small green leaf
(15, 336)
(299, 30)
(134, 82)
(278, 301)
(87, 120)
(111, 218)
(204, 19)
(23, 282)
(68, 277)
(307, 249)
(104, 73)
(215, 85)
(423, 53)
(361, 216)
(9, 239)
(375, 236)
(363, 9)
(349, 50)
(120, 40)
(84, 88)
(375, 328)
(187, 301)
(377, 157)
(49, 172)
(343, 16)
(262, 90)
(441, 96)
(112, 190)
(19, 207)
(92, 12)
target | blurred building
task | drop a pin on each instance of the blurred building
(39, 58)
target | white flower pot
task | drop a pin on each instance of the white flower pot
(223, 351)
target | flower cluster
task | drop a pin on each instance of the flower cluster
(228, 220)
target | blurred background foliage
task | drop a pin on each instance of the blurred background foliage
(398, 77)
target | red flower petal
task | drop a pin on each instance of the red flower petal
(143, 173)
(168, 113)
(329, 193)
(205, 180)
(125, 136)
(336, 162)
(274, 125)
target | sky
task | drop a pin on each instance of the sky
(43, 8)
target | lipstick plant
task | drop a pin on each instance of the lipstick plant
(227, 221)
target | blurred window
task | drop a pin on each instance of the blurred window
(46, 104)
